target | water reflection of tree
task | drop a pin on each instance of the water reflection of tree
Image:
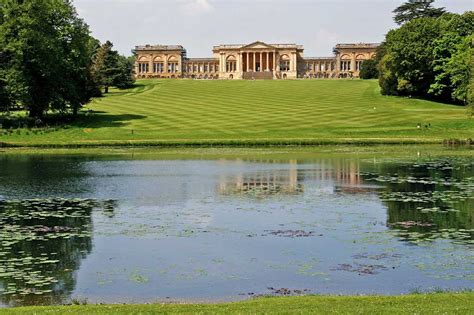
(42, 243)
(430, 197)
(31, 175)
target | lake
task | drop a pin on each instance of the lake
(114, 229)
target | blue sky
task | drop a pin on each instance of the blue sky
(200, 24)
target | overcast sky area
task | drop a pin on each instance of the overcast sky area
(200, 24)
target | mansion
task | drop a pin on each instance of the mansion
(257, 60)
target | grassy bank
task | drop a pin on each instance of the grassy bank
(446, 303)
(252, 113)
(277, 152)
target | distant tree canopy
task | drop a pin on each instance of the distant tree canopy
(429, 58)
(414, 9)
(368, 69)
(46, 57)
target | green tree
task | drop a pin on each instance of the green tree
(407, 66)
(48, 55)
(429, 58)
(368, 69)
(4, 99)
(414, 9)
(125, 78)
(111, 69)
(453, 65)
(105, 66)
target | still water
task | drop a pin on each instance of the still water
(122, 230)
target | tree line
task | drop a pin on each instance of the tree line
(49, 62)
(431, 55)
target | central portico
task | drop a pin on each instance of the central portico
(258, 60)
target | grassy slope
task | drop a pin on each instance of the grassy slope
(446, 303)
(258, 111)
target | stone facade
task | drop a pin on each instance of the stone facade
(254, 61)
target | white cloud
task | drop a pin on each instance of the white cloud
(196, 7)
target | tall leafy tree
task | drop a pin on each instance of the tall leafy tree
(369, 70)
(453, 53)
(105, 66)
(125, 78)
(4, 99)
(407, 64)
(111, 69)
(429, 58)
(459, 69)
(414, 9)
(48, 55)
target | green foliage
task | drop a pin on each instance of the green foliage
(410, 49)
(4, 98)
(470, 93)
(369, 69)
(387, 77)
(111, 69)
(125, 78)
(414, 9)
(429, 58)
(47, 55)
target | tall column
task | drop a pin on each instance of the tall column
(353, 62)
(274, 61)
(267, 63)
(222, 63)
(254, 62)
(295, 63)
(338, 63)
(150, 64)
(277, 62)
(166, 64)
(247, 59)
(239, 62)
(261, 62)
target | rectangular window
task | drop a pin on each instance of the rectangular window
(285, 66)
(143, 67)
(231, 66)
(158, 67)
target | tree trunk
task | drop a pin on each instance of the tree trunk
(106, 89)
(35, 113)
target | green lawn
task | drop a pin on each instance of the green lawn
(446, 303)
(256, 112)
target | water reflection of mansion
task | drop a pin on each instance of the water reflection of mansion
(257, 60)
(337, 176)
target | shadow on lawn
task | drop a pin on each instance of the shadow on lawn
(104, 120)
(91, 119)
(137, 88)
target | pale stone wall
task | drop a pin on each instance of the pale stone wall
(254, 61)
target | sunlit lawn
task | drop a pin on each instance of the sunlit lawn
(190, 111)
(448, 303)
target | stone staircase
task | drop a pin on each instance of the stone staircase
(266, 75)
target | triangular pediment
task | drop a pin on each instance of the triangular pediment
(258, 45)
